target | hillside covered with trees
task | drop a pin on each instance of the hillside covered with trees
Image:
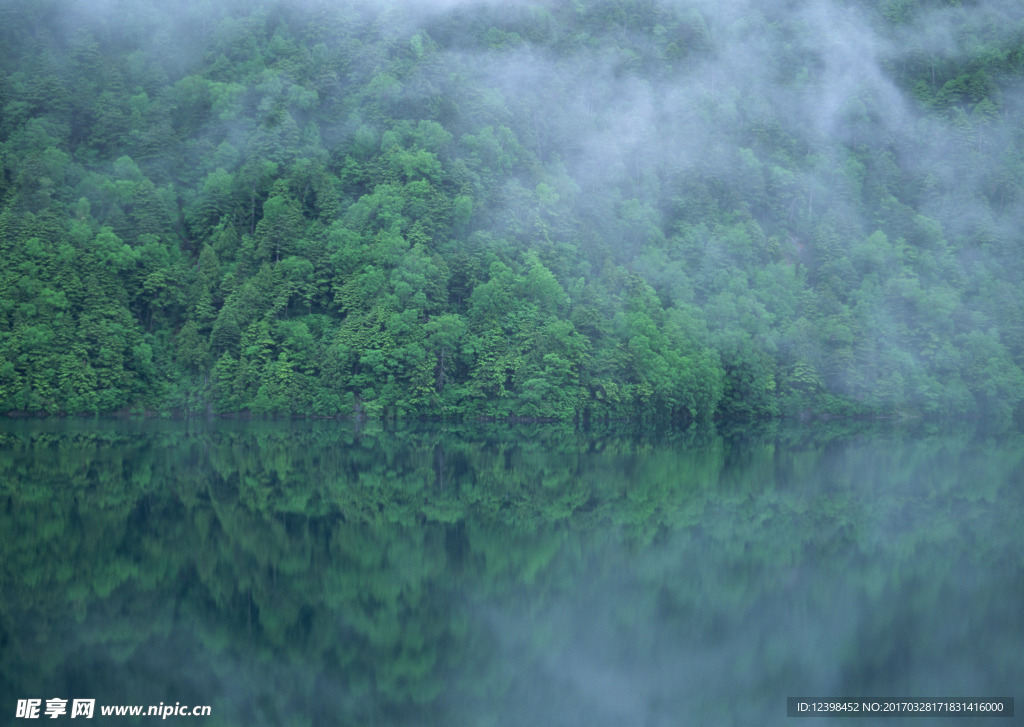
(643, 209)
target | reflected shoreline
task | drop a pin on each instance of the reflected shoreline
(435, 575)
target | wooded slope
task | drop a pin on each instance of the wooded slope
(552, 210)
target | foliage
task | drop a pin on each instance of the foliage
(337, 210)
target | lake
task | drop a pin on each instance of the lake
(314, 573)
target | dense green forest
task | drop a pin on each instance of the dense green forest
(557, 209)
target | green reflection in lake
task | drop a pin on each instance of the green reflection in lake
(316, 573)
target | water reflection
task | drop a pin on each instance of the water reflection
(318, 573)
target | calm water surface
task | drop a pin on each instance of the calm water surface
(319, 573)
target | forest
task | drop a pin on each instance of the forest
(543, 210)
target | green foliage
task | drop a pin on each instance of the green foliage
(331, 211)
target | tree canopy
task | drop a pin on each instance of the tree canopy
(549, 210)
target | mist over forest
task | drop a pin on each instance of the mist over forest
(621, 209)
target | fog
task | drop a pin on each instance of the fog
(829, 192)
(311, 573)
(693, 215)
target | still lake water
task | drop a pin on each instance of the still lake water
(320, 573)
